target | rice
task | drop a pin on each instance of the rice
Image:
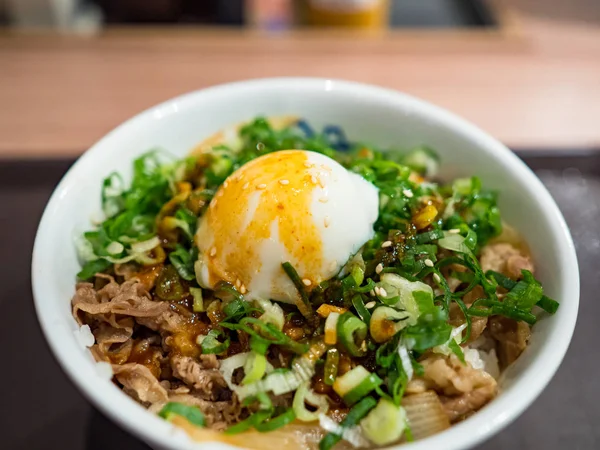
(84, 336)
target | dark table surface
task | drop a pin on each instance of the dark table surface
(42, 410)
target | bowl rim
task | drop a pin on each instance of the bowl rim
(490, 420)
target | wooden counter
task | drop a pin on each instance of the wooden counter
(531, 86)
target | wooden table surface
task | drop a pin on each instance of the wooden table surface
(536, 85)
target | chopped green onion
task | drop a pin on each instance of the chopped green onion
(361, 310)
(304, 306)
(250, 422)
(423, 160)
(360, 410)
(429, 236)
(409, 297)
(526, 293)
(484, 307)
(357, 274)
(366, 288)
(431, 330)
(254, 368)
(330, 370)
(385, 423)
(267, 331)
(355, 384)
(386, 322)
(330, 330)
(183, 261)
(198, 305)
(91, 268)
(272, 313)
(351, 330)
(305, 395)
(278, 382)
(454, 242)
(210, 344)
(546, 303)
(227, 292)
(276, 422)
(191, 413)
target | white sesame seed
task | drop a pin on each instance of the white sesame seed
(327, 221)
(428, 262)
(379, 268)
(213, 251)
(243, 289)
(322, 181)
(225, 184)
(323, 199)
(382, 292)
(313, 179)
(377, 290)
(240, 177)
(261, 186)
(370, 304)
(407, 193)
(284, 182)
(436, 277)
(454, 231)
(306, 282)
(245, 186)
(386, 244)
(238, 283)
(372, 292)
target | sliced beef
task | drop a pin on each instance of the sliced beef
(107, 338)
(139, 382)
(512, 338)
(218, 414)
(506, 259)
(462, 406)
(202, 374)
(462, 389)
(116, 304)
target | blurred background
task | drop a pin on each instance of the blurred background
(526, 71)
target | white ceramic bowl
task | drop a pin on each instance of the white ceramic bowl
(368, 113)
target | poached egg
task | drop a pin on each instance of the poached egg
(291, 205)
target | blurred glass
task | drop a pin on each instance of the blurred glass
(370, 14)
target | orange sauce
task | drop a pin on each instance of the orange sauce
(230, 238)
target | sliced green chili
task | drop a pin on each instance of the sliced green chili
(168, 285)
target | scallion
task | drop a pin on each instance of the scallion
(191, 413)
(360, 410)
(352, 333)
